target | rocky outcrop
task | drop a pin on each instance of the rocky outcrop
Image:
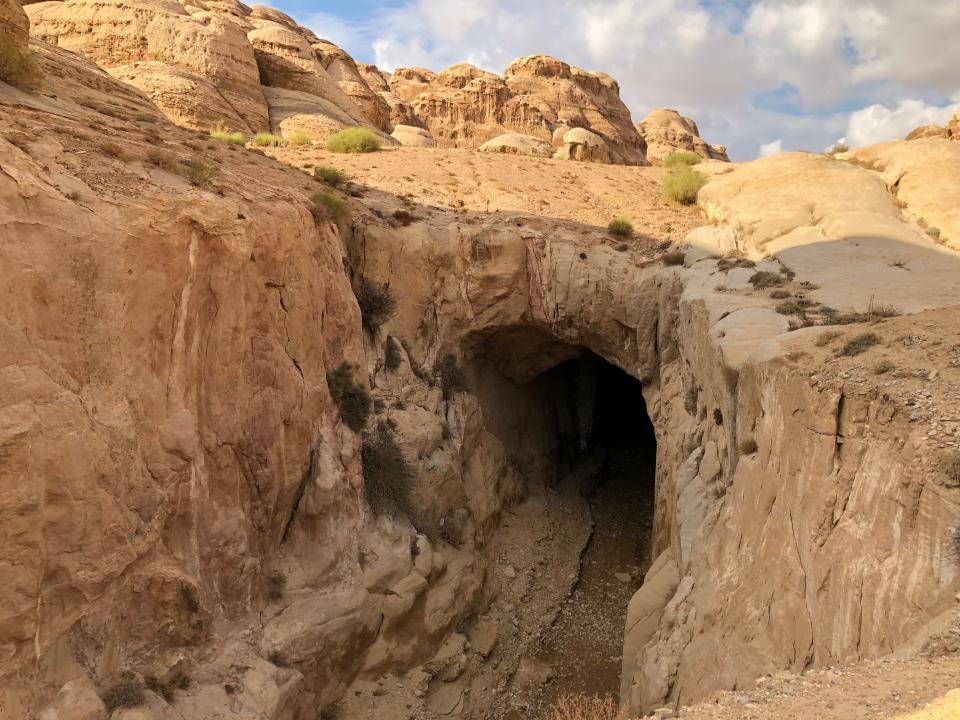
(13, 22)
(583, 145)
(464, 106)
(667, 131)
(413, 136)
(516, 144)
(950, 131)
(341, 67)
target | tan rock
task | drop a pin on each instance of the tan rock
(341, 67)
(413, 136)
(76, 700)
(13, 22)
(517, 144)
(116, 33)
(666, 131)
(583, 145)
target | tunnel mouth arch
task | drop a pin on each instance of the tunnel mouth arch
(569, 416)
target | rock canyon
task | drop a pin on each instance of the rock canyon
(288, 433)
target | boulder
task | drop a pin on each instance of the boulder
(413, 136)
(583, 145)
(668, 131)
(517, 144)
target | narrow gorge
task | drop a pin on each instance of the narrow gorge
(653, 467)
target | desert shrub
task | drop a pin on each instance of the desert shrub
(200, 172)
(188, 598)
(404, 217)
(326, 205)
(674, 257)
(764, 279)
(453, 379)
(583, 707)
(827, 337)
(164, 160)
(838, 148)
(392, 355)
(683, 184)
(417, 368)
(717, 416)
(780, 294)
(387, 476)
(299, 139)
(267, 140)
(859, 344)
(950, 466)
(331, 175)
(620, 227)
(17, 66)
(116, 150)
(377, 303)
(231, 138)
(125, 694)
(728, 263)
(352, 398)
(793, 306)
(883, 367)
(681, 158)
(331, 712)
(874, 313)
(353, 140)
(622, 247)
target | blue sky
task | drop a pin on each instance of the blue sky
(756, 75)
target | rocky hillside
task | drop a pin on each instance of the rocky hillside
(667, 131)
(278, 447)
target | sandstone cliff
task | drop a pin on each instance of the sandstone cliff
(667, 131)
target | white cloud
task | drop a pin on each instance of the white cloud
(771, 148)
(709, 60)
(880, 123)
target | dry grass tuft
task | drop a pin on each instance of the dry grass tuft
(582, 707)
(859, 344)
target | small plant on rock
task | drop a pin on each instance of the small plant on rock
(950, 466)
(164, 160)
(352, 398)
(859, 344)
(682, 185)
(392, 354)
(620, 227)
(673, 257)
(331, 175)
(299, 139)
(583, 707)
(125, 694)
(353, 140)
(231, 138)
(200, 172)
(453, 379)
(387, 476)
(326, 205)
(764, 279)
(681, 158)
(377, 303)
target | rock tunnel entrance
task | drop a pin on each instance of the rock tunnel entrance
(580, 430)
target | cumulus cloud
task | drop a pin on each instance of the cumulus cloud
(709, 59)
(771, 148)
(880, 123)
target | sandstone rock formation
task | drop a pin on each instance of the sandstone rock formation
(413, 136)
(667, 131)
(950, 131)
(464, 106)
(583, 145)
(13, 22)
(517, 144)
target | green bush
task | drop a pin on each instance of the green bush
(392, 355)
(352, 398)
(682, 185)
(200, 172)
(353, 140)
(377, 303)
(17, 66)
(299, 139)
(620, 227)
(452, 377)
(267, 140)
(859, 344)
(387, 476)
(682, 158)
(328, 205)
(331, 175)
(233, 138)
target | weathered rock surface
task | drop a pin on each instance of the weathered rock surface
(517, 144)
(413, 136)
(950, 131)
(13, 22)
(667, 131)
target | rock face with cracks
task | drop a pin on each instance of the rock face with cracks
(180, 495)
